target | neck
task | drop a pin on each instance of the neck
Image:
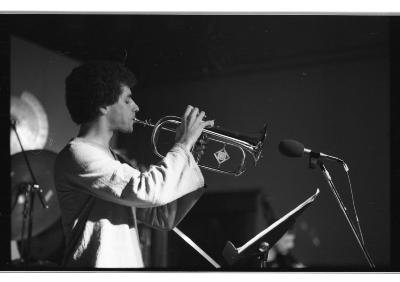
(96, 131)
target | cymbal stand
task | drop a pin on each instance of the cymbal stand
(30, 190)
(316, 162)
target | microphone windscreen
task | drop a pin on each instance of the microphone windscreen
(291, 148)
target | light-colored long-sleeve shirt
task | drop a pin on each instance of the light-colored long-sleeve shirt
(101, 198)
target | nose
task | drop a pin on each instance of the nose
(135, 107)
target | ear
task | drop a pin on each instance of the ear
(103, 110)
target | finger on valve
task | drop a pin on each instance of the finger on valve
(188, 110)
(201, 115)
(194, 113)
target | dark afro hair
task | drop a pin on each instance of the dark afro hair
(94, 85)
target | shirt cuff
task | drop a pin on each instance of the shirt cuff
(184, 148)
(191, 161)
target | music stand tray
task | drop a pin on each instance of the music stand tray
(269, 235)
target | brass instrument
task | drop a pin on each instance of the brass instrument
(250, 144)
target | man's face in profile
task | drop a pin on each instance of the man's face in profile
(121, 115)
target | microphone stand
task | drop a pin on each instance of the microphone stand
(314, 161)
(263, 249)
(30, 191)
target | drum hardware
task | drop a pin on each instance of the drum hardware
(29, 118)
(29, 190)
(31, 175)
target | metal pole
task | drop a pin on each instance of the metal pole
(343, 208)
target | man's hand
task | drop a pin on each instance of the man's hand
(191, 127)
(199, 147)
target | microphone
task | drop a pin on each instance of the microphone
(294, 149)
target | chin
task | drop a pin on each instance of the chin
(126, 129)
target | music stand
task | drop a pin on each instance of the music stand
(259, 245)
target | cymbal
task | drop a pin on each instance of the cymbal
(42, 163)
(31, 123)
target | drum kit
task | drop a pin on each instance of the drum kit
(36, 231)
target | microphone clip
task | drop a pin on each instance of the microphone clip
(313, 160)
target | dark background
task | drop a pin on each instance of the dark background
(327, 81)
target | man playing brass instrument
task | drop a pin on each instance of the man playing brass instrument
(102, 197)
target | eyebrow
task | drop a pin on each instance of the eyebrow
(129, 95)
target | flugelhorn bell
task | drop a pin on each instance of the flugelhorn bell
(244, 143)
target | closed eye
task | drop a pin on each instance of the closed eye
(129, 100)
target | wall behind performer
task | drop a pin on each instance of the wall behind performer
(101, 196)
